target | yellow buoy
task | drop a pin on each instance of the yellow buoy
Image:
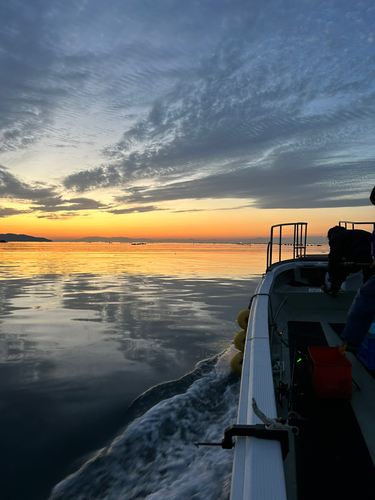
(243, 318)
(236, 363)
(239, 340)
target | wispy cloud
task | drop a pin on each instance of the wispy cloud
(270, 102)
(134, 210)
(260, 113)
(60, 216)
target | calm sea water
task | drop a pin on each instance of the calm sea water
(114, 360)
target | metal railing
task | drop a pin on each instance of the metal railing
(299, 241)
(346, 224)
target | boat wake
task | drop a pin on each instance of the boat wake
(155, 457)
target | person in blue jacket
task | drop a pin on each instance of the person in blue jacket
(362, 311)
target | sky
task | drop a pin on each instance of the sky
(185, 119)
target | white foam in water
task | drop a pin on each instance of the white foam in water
(155, 458)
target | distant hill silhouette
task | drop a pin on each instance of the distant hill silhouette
(104, 239)
(20, 237)
(123, 239)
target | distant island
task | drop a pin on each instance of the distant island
(313, 240)
(20, 237)
(105, 239)
(4, 238)
(143, 241)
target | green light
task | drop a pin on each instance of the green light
(299, 359)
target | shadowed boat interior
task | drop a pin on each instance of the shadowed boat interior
(333, 432)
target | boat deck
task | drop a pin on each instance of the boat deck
(333, 455)
(336, 431)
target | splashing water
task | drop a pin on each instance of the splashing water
(155, 458)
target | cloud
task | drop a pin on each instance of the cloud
(240, 207)
(99, 177)
(60, 216)
(8, 212)
(271, 102)
(65, 59)
(41, 198)
(291, 102)
(12, 187)
(58, 204)
(281, 182)
(28, 95)
(133, 210)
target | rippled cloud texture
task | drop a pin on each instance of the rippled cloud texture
(129, 107)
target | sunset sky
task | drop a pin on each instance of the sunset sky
(185, 119)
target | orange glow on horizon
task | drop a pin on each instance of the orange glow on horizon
(241, 224)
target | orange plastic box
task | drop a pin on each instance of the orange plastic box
(331, 373)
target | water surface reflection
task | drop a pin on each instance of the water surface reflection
(85, 329)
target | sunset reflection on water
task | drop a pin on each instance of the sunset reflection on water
(25, 259)
(87, 328)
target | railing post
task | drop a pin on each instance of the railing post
(299, 241)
